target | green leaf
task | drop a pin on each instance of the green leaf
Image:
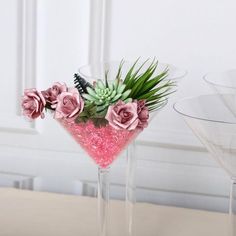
(118, 76)
(115, 84)
(100, 84)
(121, 88)
(101, 108)
(142, 80)
(101, 114)
(98, 102)
(97, 90)
(127, 100)
(82, 119)
(154, 82)
(161, 95)
(99, 122)
(134, 77)
(128, 75)
(151, 103)
(126, 94)
(88, 97)
(113, 94)
(92, 93)
(116, 97)
(155, 107)
(149, 94)
(153, 91)
(48, 106)
(106, 76)
(111, 87)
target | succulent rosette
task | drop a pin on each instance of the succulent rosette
(123, 103)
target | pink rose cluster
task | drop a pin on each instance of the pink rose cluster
(128, 116)
(66, 102)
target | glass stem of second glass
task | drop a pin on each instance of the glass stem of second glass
(130, 193)
(232, 207)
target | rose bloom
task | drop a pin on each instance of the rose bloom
(33, 104)
(51, 94)
(143, 114)
(69, 104)
(123, 116)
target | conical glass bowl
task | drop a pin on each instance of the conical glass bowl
(102, 144)
(215, 126)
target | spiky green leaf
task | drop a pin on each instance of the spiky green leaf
(88, 97)
(101, 84)
(126, 94)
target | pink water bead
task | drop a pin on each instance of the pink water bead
(102, 144)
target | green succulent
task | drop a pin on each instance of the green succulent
(105, 94)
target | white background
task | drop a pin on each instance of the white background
(43, 41)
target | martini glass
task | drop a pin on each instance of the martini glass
(223, 83)
(96, 71)
(104, 144)
(215, 125)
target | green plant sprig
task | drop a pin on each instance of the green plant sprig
(153, 89)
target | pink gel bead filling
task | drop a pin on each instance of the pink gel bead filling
(102, 144)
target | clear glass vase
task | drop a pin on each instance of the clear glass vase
(97, 71)
(224, 84)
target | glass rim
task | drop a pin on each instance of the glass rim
(175, 105)
(183, 73)
(206, 79)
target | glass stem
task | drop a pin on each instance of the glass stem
(232, 207)
(130, 193)
(103, 200)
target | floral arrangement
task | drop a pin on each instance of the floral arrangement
(123, 103)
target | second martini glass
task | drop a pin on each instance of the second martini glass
(223, 83)
(215, 125)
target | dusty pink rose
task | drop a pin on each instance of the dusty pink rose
(51, 94)
(123, 116)
(69, 104)
(33, 104)
(143, 114)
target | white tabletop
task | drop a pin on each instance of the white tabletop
(28, 213)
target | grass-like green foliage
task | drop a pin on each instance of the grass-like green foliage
(154, 89)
